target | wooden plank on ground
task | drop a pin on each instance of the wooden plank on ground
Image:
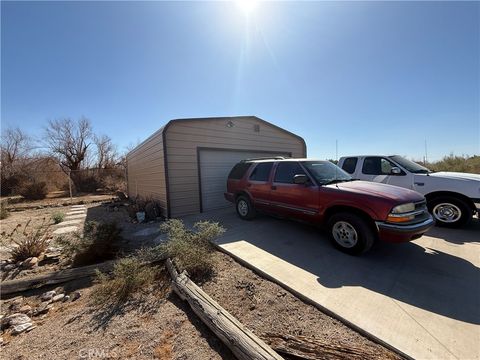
(310, 349)
(242, 342)
(18, 285)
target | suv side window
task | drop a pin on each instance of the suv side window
(350, 164)
(286, 171)
(239, 170)
(377, 166)
(261, 172)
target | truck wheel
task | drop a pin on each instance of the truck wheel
(244, 207)
(450, 211)
(350, 233)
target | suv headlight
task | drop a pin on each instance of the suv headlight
(402, 213)
(404, 208)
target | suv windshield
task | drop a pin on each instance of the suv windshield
(410, 165)
(326, 172)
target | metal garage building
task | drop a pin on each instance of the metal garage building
(185, 164)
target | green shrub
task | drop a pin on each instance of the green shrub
(34, 191)
(58, 217)
(99, 242)
(191, 250)
(4, 213)
(129, 276)
(28, 242)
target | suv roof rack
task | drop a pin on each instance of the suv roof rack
(266, 158)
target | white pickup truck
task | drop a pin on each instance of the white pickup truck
(453, 198)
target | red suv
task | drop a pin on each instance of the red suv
(356, 213)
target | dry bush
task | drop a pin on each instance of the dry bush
(130, 275)
(28, 242)
(469, 164)
(191, 251)
(100, 242)
(34, 190)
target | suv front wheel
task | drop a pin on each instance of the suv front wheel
(244, 207)
(350, 233)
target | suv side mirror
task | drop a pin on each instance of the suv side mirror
(396, 170)
(300, 179)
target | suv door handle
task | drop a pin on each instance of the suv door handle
(274, 187)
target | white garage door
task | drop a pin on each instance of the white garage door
(214, 168)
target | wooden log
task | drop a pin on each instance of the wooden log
(311, 349)
(241, 341)
(18, 285)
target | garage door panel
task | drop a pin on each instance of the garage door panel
(215, 166)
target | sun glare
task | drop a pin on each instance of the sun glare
(247, 6)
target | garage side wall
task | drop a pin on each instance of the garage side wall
(146, 171)
(183, 138)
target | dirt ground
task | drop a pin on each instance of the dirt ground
(157, 324)
(160, 325)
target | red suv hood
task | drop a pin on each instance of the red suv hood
(395, 193)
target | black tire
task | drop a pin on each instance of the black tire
(442, 207)
(244, 207)
(364, 235)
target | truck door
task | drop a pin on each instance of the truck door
(379, 169)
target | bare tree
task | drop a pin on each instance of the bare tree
(15, 145)
(69, 141)
(106, 152)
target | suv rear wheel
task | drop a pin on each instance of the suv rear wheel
(449, 211)
(244, 207)
(350, 233)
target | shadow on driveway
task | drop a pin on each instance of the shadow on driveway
(426, 278)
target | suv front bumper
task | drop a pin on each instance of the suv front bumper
(403, 233)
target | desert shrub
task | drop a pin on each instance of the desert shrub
(58, 217)
(4, 213)
(34, 190)
(99, 242)
(89, 183)
(129, 276)
(11, 184)
(457, 163)
(191, 250)
(26, 241)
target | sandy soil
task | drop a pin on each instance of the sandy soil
(160, 325)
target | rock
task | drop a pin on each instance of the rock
(15, 319)
(66, 298)
(1, 341)
(76, 295)
(25, 309)
(15, 303)
(18, 329)
(43, 308)
(48, 295)
(252, 306)
(30, 262)
(9, 267)
(58, 297)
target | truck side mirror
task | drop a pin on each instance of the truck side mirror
(300, 179)
(396, 171)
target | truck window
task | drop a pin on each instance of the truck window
(261, 172)
(286, 171)
(239, 170)
(350, 164)
(377, 166)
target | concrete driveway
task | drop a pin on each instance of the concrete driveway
(423, 297)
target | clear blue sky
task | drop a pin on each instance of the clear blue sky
(378, 76)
